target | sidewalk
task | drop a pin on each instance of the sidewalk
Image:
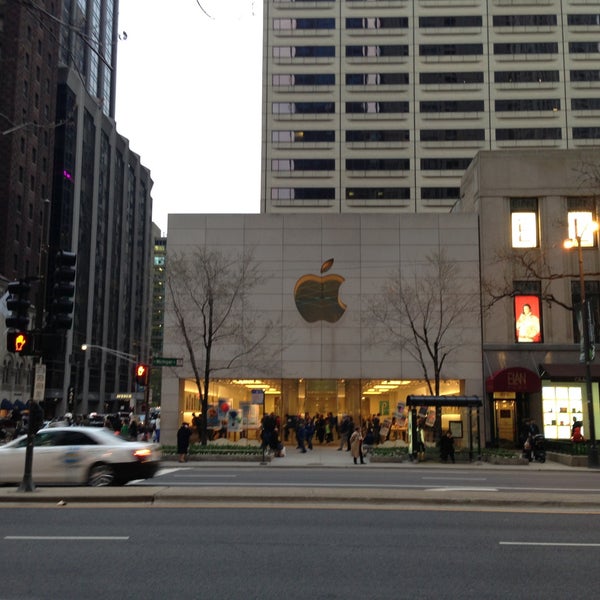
(329, 456)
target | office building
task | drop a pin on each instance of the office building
(381, 105)
(64, 164)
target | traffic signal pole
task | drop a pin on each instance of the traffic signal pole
(36, 414)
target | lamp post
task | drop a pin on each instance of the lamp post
(131, 358)
(585, 322)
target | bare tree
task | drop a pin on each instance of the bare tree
(423, 313)
(209, 292)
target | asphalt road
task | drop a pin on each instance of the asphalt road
(258, 553)
(406, 478)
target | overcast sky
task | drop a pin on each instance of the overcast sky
(189, 101)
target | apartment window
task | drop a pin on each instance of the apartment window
(377, 79)
(305, 164)
(446, 106)
(289, 24)
(584, 47)
(455, 21)
(380, 51)
(527, 48)
(586, 133)
(440, 193)
(303, 51)
(585, 75)
(376, 107)
(303, 193)
(585, 104)
(525, 76)
(522, 104)
(450, 49)
(365, 193)
(451, 78)
(524, 222)
(524, 20)
(302, 136)
(377, 164)
(304, 79)
(377, 23)
(378, 135)
(580, 216)
(445, 164)
(529, 133)
(290, 108)
(452, 135)
(593, 19)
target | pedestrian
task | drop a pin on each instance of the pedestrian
(183, 441)
(133, 429)
(420, 441)
(344, 431)
(576, 433)
(157, 430)
(309, 431)
(528, 447)
(447, 447)
(356, 446)
(300, 431)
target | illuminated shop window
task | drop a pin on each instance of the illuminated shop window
(524, 222)
(562, 408)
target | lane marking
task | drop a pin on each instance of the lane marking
(456, 488)
(457, 478)
(579, 544)
(67, 537)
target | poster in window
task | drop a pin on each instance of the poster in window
(527, 319)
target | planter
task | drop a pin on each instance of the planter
(387, 459)
(505, 460)
(572, 460)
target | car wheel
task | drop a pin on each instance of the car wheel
(101, 476)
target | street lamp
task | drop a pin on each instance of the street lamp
(585, 322)
(132, 358)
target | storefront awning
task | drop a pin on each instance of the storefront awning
(513, 379)
(567, 372)
(443, 401)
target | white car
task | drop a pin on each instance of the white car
(79, 455)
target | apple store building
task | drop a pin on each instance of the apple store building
(347, 314)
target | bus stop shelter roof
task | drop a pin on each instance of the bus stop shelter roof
(468, 401)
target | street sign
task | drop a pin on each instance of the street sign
(161, 361)
(40, 382)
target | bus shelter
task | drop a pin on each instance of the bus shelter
(463, 421)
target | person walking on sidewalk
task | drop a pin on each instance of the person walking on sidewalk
(356, 446)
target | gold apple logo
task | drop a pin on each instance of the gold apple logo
(317, 297)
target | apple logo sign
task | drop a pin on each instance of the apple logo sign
(317, 297)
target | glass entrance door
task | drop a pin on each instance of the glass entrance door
(506, 431)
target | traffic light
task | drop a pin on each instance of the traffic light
(18, 303)
(141, 374)
(61, 309)
(20, 342)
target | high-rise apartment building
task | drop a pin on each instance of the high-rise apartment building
(380, 105)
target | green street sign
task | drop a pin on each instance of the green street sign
(161, 361)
